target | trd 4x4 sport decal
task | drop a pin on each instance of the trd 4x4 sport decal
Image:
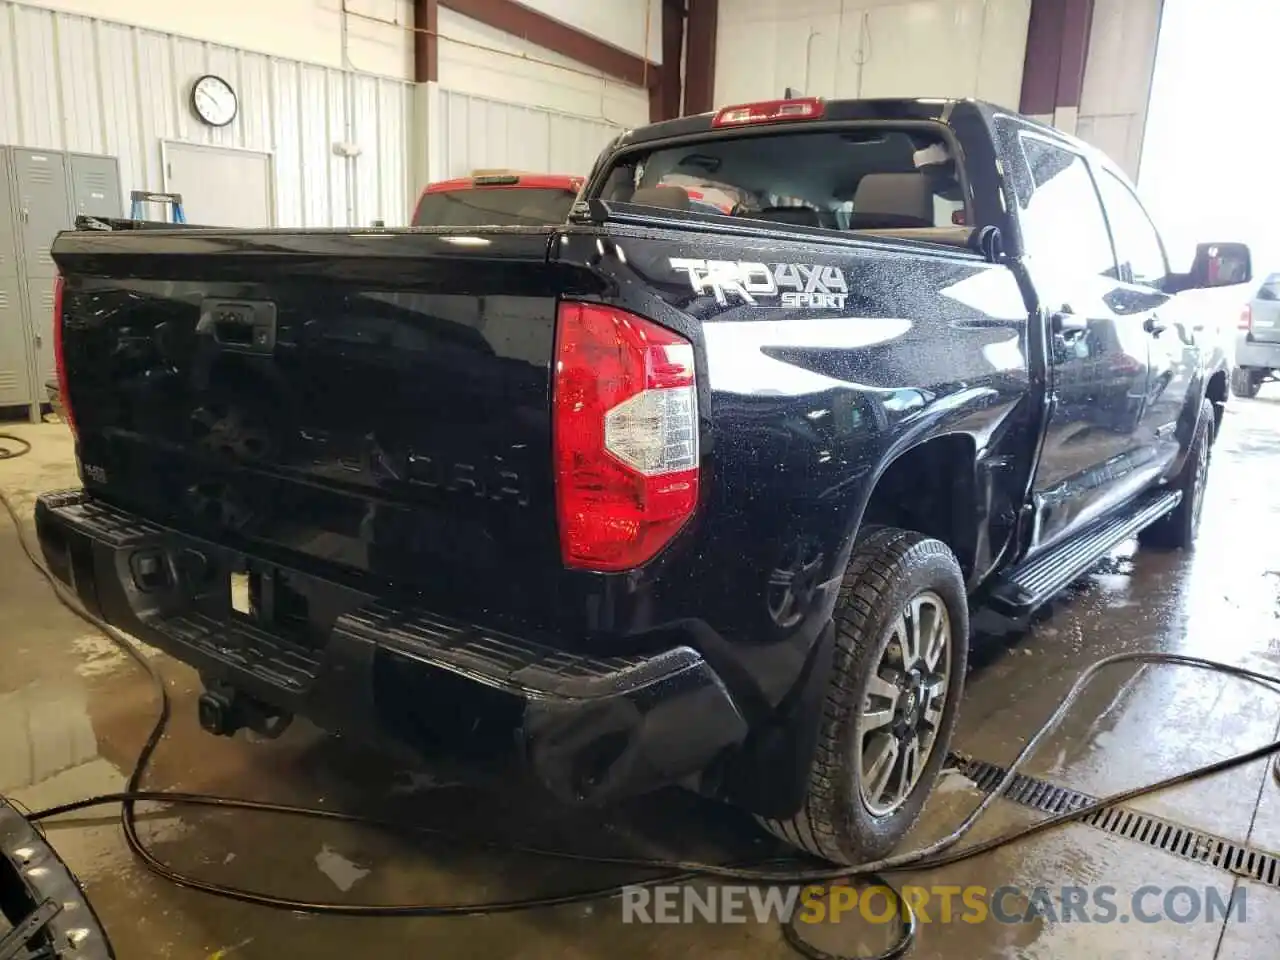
(794, 285)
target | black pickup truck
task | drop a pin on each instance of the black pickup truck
(694, 497)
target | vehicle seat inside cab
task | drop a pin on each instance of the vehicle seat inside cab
(892, 201)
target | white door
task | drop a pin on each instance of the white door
(220, 187)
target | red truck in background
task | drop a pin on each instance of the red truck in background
(497, 198)
(509, 198)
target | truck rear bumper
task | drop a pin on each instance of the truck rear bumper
(1257, 353)
(594, 728)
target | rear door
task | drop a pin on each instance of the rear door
(1094, 455)
(1173, 355)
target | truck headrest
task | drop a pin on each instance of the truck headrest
(670, 198)
(904, 197)
(800, 216)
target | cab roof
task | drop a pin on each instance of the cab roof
(900, 108)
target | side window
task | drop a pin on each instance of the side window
(1060, 214)
(1138, 250)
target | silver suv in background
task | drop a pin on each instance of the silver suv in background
(1258, 341)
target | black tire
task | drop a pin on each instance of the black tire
(888, 569)
(1245, 382)
(1177, 529)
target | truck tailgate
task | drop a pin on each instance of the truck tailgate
(379, 408)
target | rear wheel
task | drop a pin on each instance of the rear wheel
(1177, 529)
(1246, 382)
(902, 641)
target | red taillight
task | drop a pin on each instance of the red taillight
(625, 430)
(1246, 318)
(59, 357)
(769, 111)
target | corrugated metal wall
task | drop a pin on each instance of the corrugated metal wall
(871, 48)
(73, 83)
(479, 133)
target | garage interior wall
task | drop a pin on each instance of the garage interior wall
(476, 133)
(871, 48)
(69, 82)
(307, 30)
(529, 75)
(1117, 78)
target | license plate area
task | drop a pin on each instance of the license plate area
(271, 599)
(241, 598)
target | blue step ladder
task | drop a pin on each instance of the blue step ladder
(139, 197)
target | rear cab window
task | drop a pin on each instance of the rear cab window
(866, 176)
(481, 206)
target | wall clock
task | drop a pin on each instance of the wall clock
(214, 101)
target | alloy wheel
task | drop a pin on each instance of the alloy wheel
(902, 708)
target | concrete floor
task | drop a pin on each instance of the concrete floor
(74, 711)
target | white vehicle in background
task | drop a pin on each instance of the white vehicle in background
(1257, 355)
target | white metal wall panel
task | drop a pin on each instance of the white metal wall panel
(339, 167)
(255, 127)
(224, 62)
(10, 119)
(35, 61)
(314, 145)
(481, 133)
(158, 119)
(120, 104)
(364, 128)
(531, 75)
(288, 142)
(871, 48)
(186, 60)
(576, 143)
(93, 85)
(81, 126)
(395, 121)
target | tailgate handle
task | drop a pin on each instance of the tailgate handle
(245, 326)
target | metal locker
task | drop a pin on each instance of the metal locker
(44, 207)
(95, 186)
(8, 221)
(40, 299)
(15, 376)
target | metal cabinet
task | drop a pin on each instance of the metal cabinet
(40, 313)
(41, 193)
(15, 371)
(95, 186)
(44, 206)
(8, 227)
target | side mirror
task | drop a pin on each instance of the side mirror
(1221, 265)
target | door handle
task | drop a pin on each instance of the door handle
(1153, 325)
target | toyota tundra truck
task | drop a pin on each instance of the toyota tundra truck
(692, 492)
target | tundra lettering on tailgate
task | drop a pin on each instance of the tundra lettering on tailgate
(795, 285)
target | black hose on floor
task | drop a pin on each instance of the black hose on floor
(934, 855)
(6, 453)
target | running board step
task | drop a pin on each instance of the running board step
(1029, 585)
